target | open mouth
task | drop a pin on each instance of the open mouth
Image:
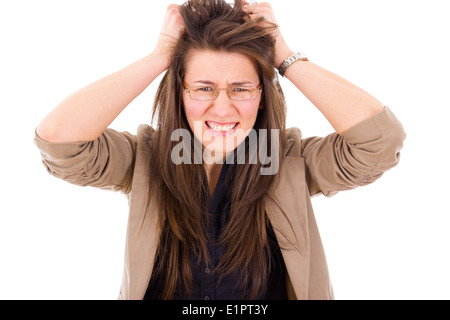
(221, 128)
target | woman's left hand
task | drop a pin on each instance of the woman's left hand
(264, 9)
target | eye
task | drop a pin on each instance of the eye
(204, 89)
(240, 90)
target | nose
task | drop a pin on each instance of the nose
(223, 105)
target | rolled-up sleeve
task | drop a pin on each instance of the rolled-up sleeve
(356, 157)
(106, 162)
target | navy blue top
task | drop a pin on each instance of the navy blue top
(205, 282)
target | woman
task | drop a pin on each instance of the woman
(225, 221)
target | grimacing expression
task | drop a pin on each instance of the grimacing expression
(221, 124)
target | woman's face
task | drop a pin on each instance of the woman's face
(220, 124)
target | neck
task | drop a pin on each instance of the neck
(213, 166)
(213, 173)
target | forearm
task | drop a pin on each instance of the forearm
(84, 115)
(342, 103)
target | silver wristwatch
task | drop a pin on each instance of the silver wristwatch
(295, 57)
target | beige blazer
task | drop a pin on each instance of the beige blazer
(119, 161)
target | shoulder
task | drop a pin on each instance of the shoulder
(145, 134)
(293, 142)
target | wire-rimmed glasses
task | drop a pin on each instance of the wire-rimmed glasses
(235, 93)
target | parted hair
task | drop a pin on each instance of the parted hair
(181, 190)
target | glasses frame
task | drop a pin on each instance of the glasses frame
(217, 90)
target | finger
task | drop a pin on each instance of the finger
(257, 15)
(247, 8)
(250, 7)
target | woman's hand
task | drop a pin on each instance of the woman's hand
(170, 32)
(255, 10)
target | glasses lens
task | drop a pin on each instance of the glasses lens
(235, 93)
(243, 94)
(206, 93)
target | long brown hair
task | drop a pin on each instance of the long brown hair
(181, 191)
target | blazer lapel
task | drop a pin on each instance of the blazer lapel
(142, 238)
(287, 210)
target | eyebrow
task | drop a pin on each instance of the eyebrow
(237, 83)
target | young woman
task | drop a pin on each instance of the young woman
(212, 215)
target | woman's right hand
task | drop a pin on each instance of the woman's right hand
(170, 31)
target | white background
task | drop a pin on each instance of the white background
(389, 240)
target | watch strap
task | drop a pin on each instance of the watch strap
(289, 61)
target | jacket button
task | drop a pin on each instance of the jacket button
(207, 270)
(206, 298)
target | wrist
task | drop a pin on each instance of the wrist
(298, 56)
(164, 48)
(160, 59)
(282, 55)
(163, 52)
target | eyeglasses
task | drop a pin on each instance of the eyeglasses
(235, 93)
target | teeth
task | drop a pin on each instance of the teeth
(220, 128)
